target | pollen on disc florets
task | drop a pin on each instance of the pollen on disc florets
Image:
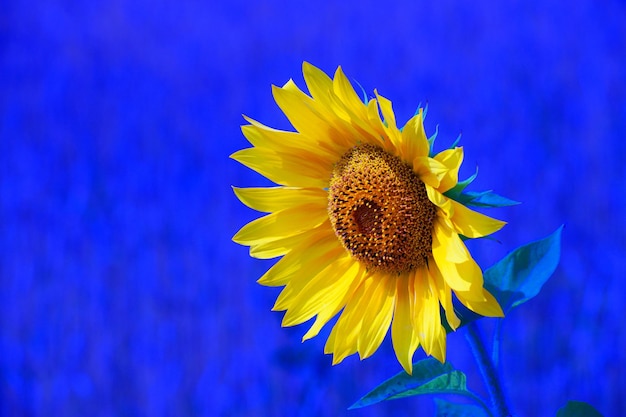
(380, 211)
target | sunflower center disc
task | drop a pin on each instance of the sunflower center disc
(380, 211)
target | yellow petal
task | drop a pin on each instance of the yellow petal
(435, 333)
(373, 118)
(403, 334)
(328, 288)
(420, 313)
(332, 305)
(318, 83)
(456, 265)
(356, 128)
(305, 114)
(311, 254)
(386, 109)
(377, 317)
(439, 344)
(447, 245)
(489, 307)
(343, 338)
(272, 199)
(284, 223)
(445, 295)
(430, 318)
(295, 143)
(343, 89)
(298, 107)
(429, 170)
(321, 89)
(304, 270)
(389, 121)
(472, 224)
(414, 139)
(279, 247)
(452, 159)
(445, 208)
(346, 128)
(286, 169)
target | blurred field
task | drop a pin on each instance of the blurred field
(121, 293)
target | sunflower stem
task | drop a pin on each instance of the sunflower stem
(488, 371)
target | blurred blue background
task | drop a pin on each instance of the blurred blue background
(121, 293)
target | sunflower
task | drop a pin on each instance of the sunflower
(362, 221)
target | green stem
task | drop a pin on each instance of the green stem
(495, 352)
(488, 371)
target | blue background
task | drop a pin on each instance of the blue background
(120, 290)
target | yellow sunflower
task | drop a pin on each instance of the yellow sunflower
(361, 222)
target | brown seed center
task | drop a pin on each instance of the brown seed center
(380, 211)
(365, 217)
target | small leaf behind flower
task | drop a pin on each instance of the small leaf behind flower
(429, 377)
(578, 409)
(450, 409)
(455, 192)
(485, 199)
(520, 275)
(517, 277)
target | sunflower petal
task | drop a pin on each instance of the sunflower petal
(403, 334)
(261, 136)
(343, 339)
(389, 121)
(414, 138)
(420, 313)
(389, 117)
(445, 296)
(377, 317)
(373, 118)
(429, 170)
(270, 199)
(488, 307)
(344, 90)
(458, 268)
(446, 209)
(311, 255)
(447, 246)
(452, 159)
(435, 334)
(299, 268)
(301, 110)
(473, 224)
(286, 169)
(332, 305)
(439, 345)
(318, 83)
(308, 116)
(284, 223)
(281, 246)
(328, 288)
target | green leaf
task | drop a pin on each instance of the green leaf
(429, 377)
(520, 275)
(450, 409)
(578, 409)
(517, 277)
(455, 192)
(484, 199)
(432, 138)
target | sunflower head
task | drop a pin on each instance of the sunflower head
(365, 219)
